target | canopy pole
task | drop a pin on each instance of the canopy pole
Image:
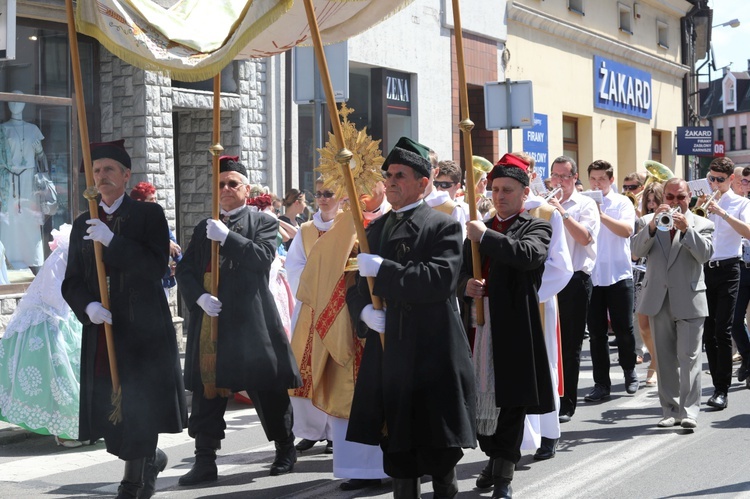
(216, 150)
(91, 193)
(344, 156)
(466, 126)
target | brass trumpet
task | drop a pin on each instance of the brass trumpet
(634, 198)
(702, 210)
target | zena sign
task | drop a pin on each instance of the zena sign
(621, 88)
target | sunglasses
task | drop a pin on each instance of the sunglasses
(443, 185)
(671, 197)
(720, 180)
(626, 187)
(745, 181)
(326, 194)
(232, 184)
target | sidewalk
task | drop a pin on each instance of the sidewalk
(11, 434)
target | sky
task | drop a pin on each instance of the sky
(731, 44)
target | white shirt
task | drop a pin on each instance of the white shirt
(460, 214)
(613, 252)
(558, 268)
(583, 210)
(111, 209)
(727, 242)
(381, 210)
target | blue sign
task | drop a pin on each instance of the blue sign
(695, 141)
(621, 88)
(535, 143)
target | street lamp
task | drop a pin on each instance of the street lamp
(732, 24)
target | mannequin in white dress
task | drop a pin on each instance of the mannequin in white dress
(20, 216)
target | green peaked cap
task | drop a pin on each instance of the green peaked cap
(410, 153)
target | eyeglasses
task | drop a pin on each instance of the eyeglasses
(557, 176)
(671, 197)
(630, 187)
(720, 180)
(443, 185)
(745, 181)
(232, 184)
(326, 194)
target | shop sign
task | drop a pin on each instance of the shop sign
(398, 93)
(719, 148)
(7, 29)
(695, 141)
(535, 143)
(621, 88)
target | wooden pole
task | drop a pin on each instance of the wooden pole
(466, 125)
(91, 193)
(216, 151)
(344, 156)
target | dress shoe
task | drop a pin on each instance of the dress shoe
(286, 456)
(329, 447)
(72, 444)
(597, 394)
(718, 400)
(668, 422)
(484, 480)
(547, 450)
(689, 423)
(631, 381)
(305, 444)
(565, 417)
(359, 483)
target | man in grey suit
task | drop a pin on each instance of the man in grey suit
(674, 298)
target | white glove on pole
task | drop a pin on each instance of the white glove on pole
(98, 314)
(216, 231)
(210, 304)
(368, 264)
(98, 231)
(375, 319)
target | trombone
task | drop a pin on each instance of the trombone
(702, 210)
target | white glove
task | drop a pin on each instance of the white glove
(369, 264)
(97, 313)
(216, 231)
(375, 319)
(98, 232)
(210, 304)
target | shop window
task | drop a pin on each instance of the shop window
(720, 134)
(656, 146)
(662, 34)
(743, 137)
(576, 6)
(570, 137)
(732, 139)
(625, 13)
(40, 145)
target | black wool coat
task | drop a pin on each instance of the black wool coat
(153, 396)
(253, 351)
(516, 263)
(422, 384)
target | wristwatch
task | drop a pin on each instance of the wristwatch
(565, 216)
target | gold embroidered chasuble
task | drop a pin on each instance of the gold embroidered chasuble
(324, 342)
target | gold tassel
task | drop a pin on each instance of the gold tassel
(115, 416)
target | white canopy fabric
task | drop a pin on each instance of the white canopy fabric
(195, 39)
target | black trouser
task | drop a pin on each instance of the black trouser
(617, 299)
(573, 304)
(739, 331)
(505, 443)
(273, 407)
(722, 284)
(419, 462)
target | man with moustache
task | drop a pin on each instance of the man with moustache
(674, 299)
(135, 251)
(414, 395)
(251, 351)
(512, 370)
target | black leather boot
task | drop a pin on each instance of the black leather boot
(445, 487)
(286, 456)
(484, 480)
(154, 465)
(204, 468)
(406, 488)
(132, 479)
(502, 475)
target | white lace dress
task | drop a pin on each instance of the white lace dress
(40, 356)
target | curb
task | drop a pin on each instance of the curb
(11, 434)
